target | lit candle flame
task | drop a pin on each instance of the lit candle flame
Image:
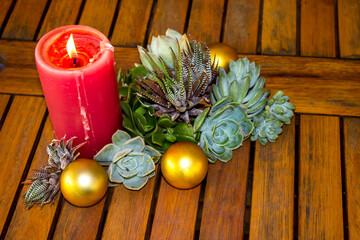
(70, 47)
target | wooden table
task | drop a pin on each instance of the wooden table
(304, 186)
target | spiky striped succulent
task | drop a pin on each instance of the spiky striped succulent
(177, 92)
(243, 85)
(45, 184)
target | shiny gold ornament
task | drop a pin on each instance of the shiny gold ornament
(84, 182)
(184, 165)
(224, 54)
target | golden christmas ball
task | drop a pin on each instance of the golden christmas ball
(223, 53)
(184, 165)
(84, 182)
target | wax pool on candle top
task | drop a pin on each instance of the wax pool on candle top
(82, 98)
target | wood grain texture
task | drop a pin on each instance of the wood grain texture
(272, 205)
(79, 223)
(315, 85)
(205, 20)
(25, 223)
(349, 28)
(352, 169)
(241, 25)
(320, 214)
(5, 6)
(175, 213)
(132, 22)
(169, 14)
(128, 213)
(99, 15)
(317, 28)
(60, 13)
(279, 27)
(17, 137)
(21, 25)
(224, 200)
(4, 99)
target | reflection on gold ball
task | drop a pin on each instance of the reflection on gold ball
(224, 54)
(184, 165)
(84, 182)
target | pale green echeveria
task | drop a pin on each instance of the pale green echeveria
(130, 161)
(163, 47)
(280, 107)
(267, 128)
(223, 130)
(243, 85)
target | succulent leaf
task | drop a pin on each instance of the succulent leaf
(133, 164)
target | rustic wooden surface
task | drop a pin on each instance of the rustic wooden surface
(304, 186)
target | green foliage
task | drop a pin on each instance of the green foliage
(139, 118)
(130, 161)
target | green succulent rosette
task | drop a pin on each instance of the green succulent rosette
(280, 107)
(267, 128)
(130, 161)
(223, 130)
(139, 118)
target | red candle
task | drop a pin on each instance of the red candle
(80, 86)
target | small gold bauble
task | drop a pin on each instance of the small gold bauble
(223, 53)
(83, 182)
(184, 165)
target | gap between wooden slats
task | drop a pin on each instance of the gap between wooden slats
(132, 22)
(7, 6)
(206, 20)
(351, 148)
(168, 14)
(5, 102)
(320, 214)
(17, 138)
(279, 27)
(241, 25)
(272, 205)
(36, 221)
(224, 200)
(24, 19)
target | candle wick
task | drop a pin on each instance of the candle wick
(74, 61)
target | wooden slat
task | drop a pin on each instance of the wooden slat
(132, 22)
(24, 19)
(17, 137)
(272, 205)
(4, 99)
(128, 212)
(352, 169)
(205, 20)
(319, 96)
(169, 14)
(315, 85)
(98, 15)
(23, 223)
(349, 29)
(320, 214)
(79, 223)
(241, 26)
(175, 213)
(5, 6)
(279, 27)
(60, 13)
(224, 200)
(317, 28)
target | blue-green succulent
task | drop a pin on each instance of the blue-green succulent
(267, 128)
(130, 161)
(223, 130)
(280, 107)
(243, 85)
